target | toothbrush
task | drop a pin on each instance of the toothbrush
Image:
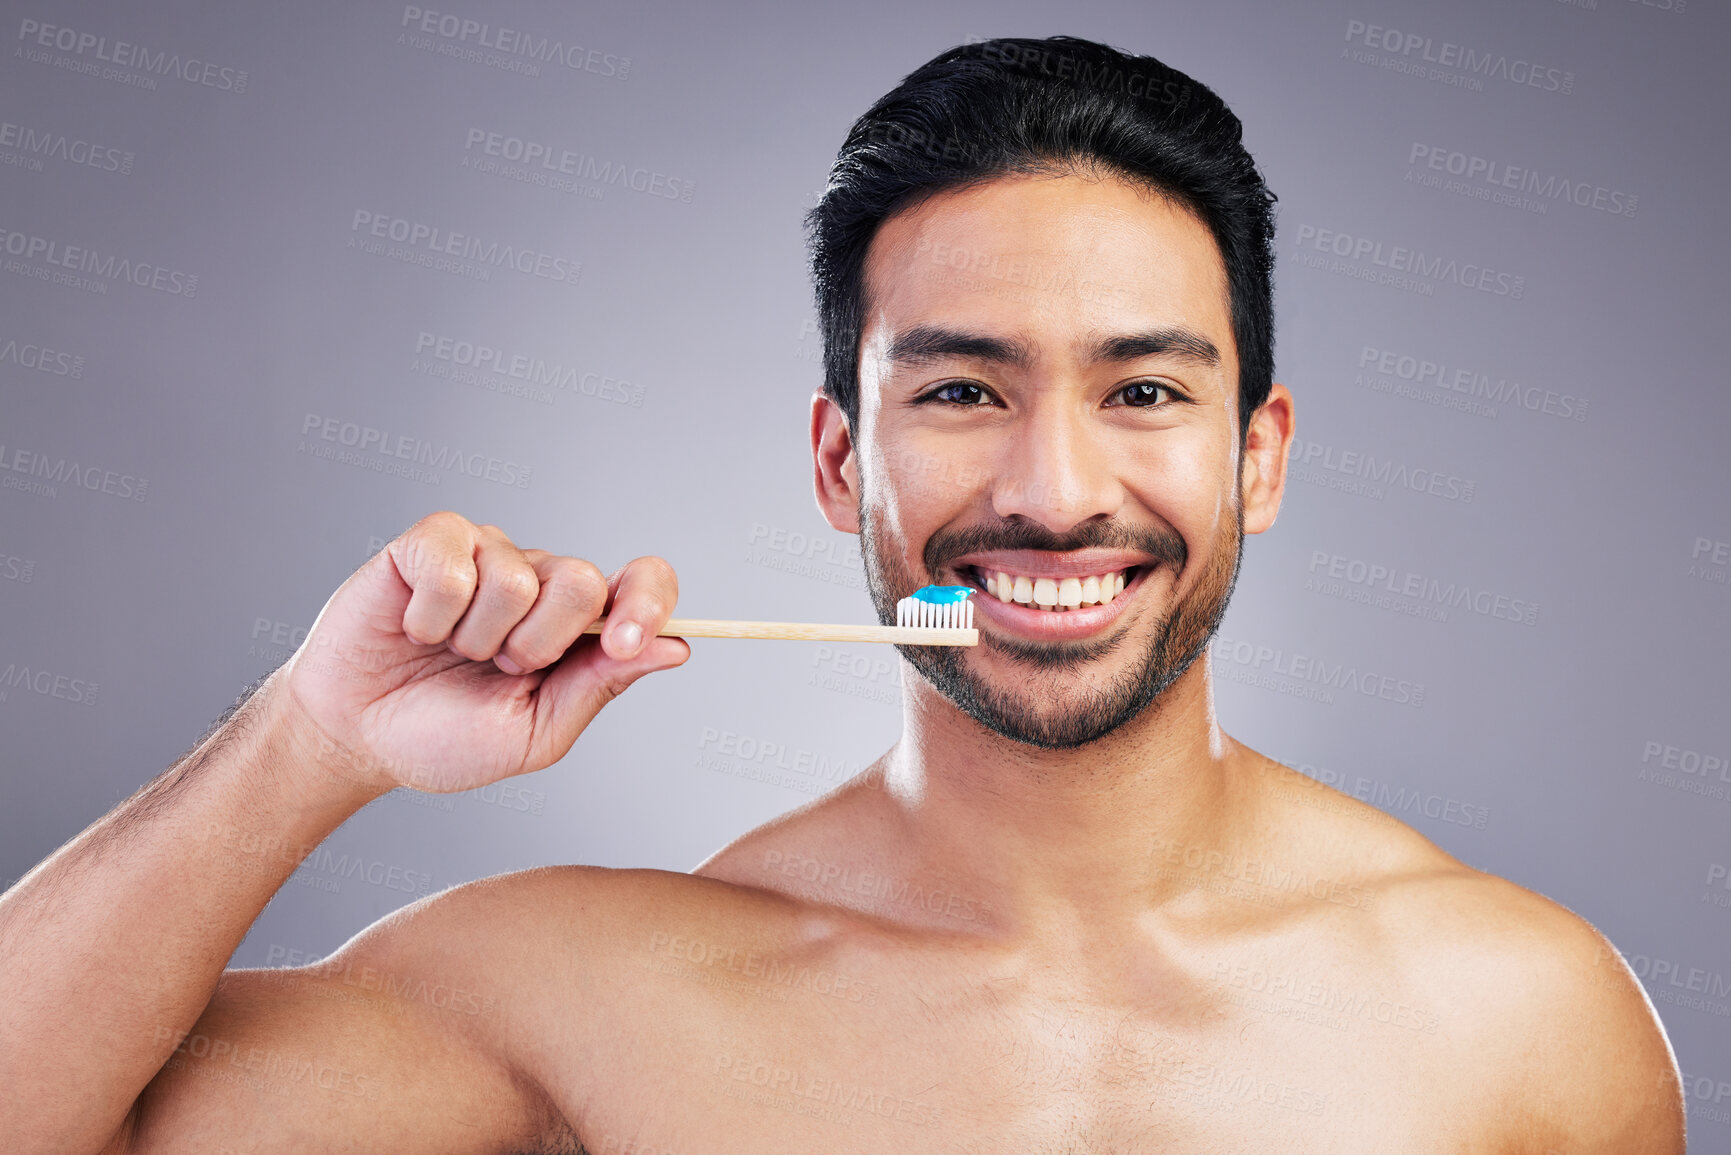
(933, 616)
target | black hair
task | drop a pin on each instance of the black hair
(1013, 106)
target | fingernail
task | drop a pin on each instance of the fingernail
(629, 636)
(506, 664)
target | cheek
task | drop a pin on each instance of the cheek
(921, 487)
(1188, 483)
(889, 495)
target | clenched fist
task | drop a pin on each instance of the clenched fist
(453, 658)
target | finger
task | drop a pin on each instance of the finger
(436, 559)
(506, 587)
(642, 596)
(586, 681)
(573, 594)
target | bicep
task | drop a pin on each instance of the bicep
(1631, 1097)
(1610, 1077)
(367, 1051)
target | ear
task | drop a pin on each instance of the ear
(1268, 441)
(835, 472)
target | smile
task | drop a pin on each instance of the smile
(1055, 594)
(1051, 598)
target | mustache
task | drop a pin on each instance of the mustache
(1161, 543)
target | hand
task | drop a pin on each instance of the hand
(453, 658)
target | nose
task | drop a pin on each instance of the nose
(1058, 471)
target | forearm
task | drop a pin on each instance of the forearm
(112, 947)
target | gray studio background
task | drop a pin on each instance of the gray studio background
(1501, 309)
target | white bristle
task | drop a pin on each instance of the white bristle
(948, 616)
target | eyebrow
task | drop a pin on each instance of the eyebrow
(926, 343)
(1176, 343)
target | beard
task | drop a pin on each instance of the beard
(1042, 719)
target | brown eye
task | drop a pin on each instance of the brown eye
(960, 393)
(1143, 394)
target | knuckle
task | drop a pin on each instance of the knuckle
(660, 571)
(443, 520)
(648, 582)
(527, 656)
(515, 586)
(580, 584)
(533, 654)
(460, 645)
(451, 581)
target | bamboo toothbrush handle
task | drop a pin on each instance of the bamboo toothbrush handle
(807, 632)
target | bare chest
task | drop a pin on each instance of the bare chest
(764, 1060)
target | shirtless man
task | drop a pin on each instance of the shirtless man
(1064, 913)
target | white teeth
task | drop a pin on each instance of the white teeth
(1057, 594)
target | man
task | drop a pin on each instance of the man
(1064, 913)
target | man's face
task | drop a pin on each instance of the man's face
(1048, 391)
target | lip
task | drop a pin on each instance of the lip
(1052, 625)
(1033, 563)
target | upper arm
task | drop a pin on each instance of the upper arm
(1596, 1074)
(1549, 1039)
(399, 1041)
(1617, 1089)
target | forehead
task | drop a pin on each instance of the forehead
(1052, 258)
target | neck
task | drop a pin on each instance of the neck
(1049, 837)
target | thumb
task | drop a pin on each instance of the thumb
(583, 683)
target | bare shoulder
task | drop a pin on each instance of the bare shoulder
(1541, 995)
(1531, 991)
(542, 929)
(478, 1018)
